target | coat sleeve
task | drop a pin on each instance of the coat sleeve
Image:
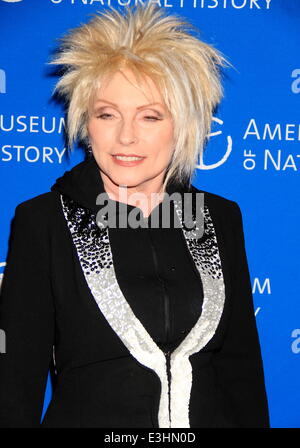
(27, 318)
(238, 363)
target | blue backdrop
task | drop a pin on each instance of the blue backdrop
(252, 158)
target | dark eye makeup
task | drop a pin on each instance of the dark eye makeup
(151, 117)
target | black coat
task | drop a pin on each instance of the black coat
(182, 349)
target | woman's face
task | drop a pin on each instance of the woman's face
(123, 120)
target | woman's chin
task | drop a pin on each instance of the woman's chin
(129, 181)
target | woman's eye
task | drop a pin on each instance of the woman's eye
(104, 116)
(152, 118)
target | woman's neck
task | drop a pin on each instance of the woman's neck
(146, 196)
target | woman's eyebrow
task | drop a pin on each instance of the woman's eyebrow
(140, 107)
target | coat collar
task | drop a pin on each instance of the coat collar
(83, 183)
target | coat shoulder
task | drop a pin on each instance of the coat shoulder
(219, 205)
(41, 204)
(39, 212)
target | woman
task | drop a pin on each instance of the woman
(147, 327)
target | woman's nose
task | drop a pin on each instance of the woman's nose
(127, 134)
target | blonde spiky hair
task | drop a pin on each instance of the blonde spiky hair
(149, 42)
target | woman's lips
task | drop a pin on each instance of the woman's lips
(127, 163)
